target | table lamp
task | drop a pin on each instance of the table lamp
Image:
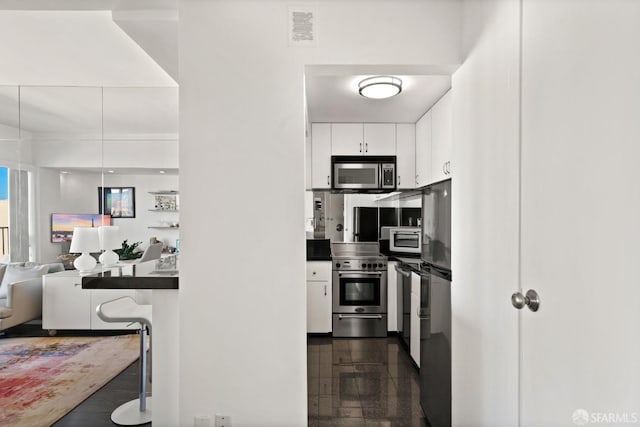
(84, 241)
(109, 239)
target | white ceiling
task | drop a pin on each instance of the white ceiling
(335, 98)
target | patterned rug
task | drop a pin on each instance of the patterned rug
(42, 379)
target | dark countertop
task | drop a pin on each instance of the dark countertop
(157, 274)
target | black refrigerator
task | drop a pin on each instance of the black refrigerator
(435, 305)
(367, 222)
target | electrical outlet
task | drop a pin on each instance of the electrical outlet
(223, 421)
(202, 421)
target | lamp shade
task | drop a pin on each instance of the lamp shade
(109, 237)
(84, 240)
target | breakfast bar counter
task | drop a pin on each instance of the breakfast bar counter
(156, 274)
(160, 278)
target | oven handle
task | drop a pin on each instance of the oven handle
(359, 316)
(361, 273)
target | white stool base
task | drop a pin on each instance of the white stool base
(128, 414)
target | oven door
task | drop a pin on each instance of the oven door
(359, 292)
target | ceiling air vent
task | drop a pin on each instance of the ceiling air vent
(302, 26)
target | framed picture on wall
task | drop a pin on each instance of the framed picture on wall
(119, 202)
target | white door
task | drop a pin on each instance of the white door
(581, 214)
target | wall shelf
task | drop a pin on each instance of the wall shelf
(164, 210)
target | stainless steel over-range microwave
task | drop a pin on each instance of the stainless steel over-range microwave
(364, 173)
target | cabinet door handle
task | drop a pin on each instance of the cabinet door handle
(328, 179)
(398, 179)
(444, 168)
(417, 179)
(366, 147)
(325, 290)
(76, 284)
(361, 147)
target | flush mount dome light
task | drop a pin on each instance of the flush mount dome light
(380, 87)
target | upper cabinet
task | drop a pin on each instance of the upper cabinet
(406, 155)
(441, 132)
(320, 156)
(363, 139)
(423, 150)
(434, 143)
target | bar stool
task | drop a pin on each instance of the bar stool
(125, 309)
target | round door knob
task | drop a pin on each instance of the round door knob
(517, 300)
(530, 299)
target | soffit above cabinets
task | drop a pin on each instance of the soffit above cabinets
(332, 94)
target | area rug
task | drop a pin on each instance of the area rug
(42, 379)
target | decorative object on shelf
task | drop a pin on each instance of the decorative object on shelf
(165, 203)
(128, 251)
(165, 200)
(85, 240)
(380, 87)
(119, 202)
(109, 239)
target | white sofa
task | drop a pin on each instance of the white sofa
(21, 291)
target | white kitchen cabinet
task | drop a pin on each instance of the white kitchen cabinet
(405, 155)
(363, 139)
(65, 305)
(392, 297)
(414, 339)
(379, 139)
(441, 131)
(321, 155)
(319, 297)
(347, 139)
(423, 150)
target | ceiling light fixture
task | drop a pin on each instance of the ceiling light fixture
(380, 87)
(160, 171)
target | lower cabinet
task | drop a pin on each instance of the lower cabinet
(414, 340)
(65, 305)
(319, 319)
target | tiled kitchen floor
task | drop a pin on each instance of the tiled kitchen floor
(362, 382)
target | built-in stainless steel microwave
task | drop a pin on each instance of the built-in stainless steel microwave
(364, 173)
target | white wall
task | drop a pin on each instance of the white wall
(484, 218)
(242, 311)
(77, 192)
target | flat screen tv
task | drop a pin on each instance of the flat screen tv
(62, 224)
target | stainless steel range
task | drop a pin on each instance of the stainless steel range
(359, 290)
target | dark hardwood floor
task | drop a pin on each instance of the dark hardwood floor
(362, 382)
